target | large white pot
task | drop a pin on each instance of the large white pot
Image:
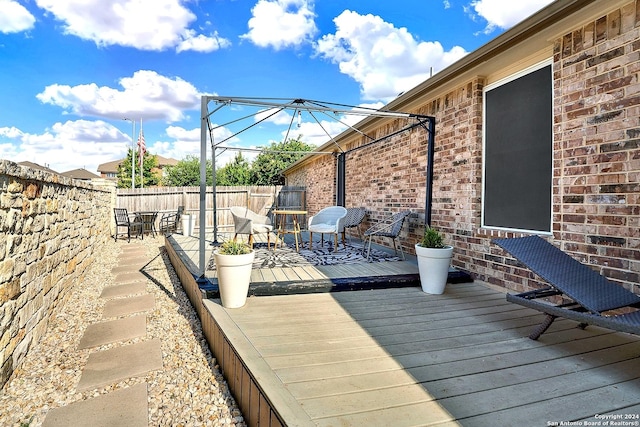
(234, 276)
(433, 265)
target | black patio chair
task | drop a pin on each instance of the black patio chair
(124, 220)
(586, 296)
(169, 221)
(389, 228)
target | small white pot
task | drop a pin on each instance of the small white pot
(433, 265)
(234, 276)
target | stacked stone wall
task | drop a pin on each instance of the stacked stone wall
(51, 230)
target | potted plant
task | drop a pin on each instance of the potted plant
(434, 258)
(233, 264)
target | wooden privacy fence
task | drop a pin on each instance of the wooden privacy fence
(258, 198)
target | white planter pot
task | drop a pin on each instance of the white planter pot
(234, 276)
(433, 265)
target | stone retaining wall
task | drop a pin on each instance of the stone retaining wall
(52, 229)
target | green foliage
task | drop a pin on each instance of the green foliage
(267, 168)
(186, 173)
(237, 172)
(149, 162)
(232, 247)
(432, 239)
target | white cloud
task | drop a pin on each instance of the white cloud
(281, 23)
(14, 17)
(91, 142)
(143, 24)
(501, 14)
(272, 115)
(383, 59)
(201, 43)
(145, 95)
(186, 142)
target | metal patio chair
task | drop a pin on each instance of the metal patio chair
(124, 220)
(389, 228)
(169, 221)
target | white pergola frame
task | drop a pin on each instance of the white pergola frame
(331, 110)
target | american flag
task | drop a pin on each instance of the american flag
(141, 147)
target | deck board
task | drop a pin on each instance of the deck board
(370, 356)
(401, 357)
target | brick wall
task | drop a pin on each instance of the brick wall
(596, 170)
(51, 229)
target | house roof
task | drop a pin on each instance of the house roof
(36, 166)
(80, 174)
(113, 166)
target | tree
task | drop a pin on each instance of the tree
(149, 163)
(186, 173)
(237, 172)
(267, 168)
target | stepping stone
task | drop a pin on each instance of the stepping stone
(123, 290)
(129, 268)
(125, 407)
(124, 306)
(117, 364)
(134, 276)
(113, 330)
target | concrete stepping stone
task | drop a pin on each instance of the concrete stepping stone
(123, 290)
(123, 306)
(125, 407)
(113, 330)
(129, 268)
(119, 363)
(133, 276)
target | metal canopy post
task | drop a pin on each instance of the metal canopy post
(204, 102)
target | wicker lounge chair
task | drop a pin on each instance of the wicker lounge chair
(587, 295)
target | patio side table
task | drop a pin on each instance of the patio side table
(281, 222)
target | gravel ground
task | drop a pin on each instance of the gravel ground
(188, 391)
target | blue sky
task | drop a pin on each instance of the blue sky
(71, 70)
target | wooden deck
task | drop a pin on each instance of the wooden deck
(309, 279)
(404, 358)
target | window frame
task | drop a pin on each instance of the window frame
(509, 79)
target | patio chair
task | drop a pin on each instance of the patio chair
(328, 221)
(123, 220)
(245, 221)
(587, 296)
(388, 228)
(169, 221)
(354, 218)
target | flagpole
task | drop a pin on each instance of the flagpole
(142, 149)
(133, 152)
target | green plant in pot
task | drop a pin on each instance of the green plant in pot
(434, 258)
(234, 261)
